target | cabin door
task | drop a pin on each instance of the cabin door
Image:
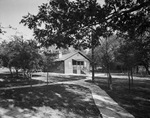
(77, 66)
(74, 64)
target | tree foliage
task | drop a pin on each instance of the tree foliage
(129, 12)
(65, 23)
(48, 58)
(20, 54)
(1, 31)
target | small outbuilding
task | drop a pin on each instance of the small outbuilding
(72, 63)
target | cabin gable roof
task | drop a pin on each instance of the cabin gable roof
(69, 55)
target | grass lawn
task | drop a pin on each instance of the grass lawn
(53, 101)
(137, 102)
(38, 78)
(7, 81)
(52, 78)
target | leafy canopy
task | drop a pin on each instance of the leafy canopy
(80, 23)
(127, 14)
(20, 54)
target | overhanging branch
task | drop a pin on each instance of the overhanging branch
(135, 8)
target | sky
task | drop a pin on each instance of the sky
(11, 12)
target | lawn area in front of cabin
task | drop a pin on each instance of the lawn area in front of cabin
(7, 81)
(136, 102)
(55, 101)
(37, 78)
(57, 77)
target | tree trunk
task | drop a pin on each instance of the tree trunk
(11, 73)
(137, 69)
(132, 76)
(109, 76)
(17, 72)
(108, 67)
(93, 71)
(24, 73)
(129, 81)
(30, 79)
(47, 77)
(147, 68)
(121, 69)
(109, 81)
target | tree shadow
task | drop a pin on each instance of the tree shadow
(136, 101)
(53, 79)
(72, 98)
(57, 78)
(6, 80)
(135, 75)
(5, 76)
(35, 75)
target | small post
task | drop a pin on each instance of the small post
(47, 77)
(31, 79)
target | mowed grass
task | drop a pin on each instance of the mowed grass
(56, 77)
(55, 101)
(136, 101)
(6, 80)
(37, 78)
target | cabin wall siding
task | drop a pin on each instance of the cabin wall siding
(68, 63)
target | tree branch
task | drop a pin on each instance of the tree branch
(135, 8)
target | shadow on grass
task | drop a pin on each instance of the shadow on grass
(71, 98)
(135, 75)
(35, 75)
(53, 79)
(5, 76)
(137, 101)
(7, 81)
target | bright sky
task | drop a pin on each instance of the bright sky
(11, 12)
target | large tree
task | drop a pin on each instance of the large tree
(63, 23)
(105, 55)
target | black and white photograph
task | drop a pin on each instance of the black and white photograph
(74, 58)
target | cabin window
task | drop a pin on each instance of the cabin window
(82, 63)
(77, 62)
(73, 62)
